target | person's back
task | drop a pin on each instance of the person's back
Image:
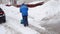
(24, 10)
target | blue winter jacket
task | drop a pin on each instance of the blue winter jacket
(24, 10)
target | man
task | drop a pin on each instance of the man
(24, 11)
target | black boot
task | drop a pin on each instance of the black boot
(25, 25)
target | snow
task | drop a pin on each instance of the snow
(10, 13)
(48, 9)
(52, 25)
(14, 21)
(2, 30)
(19, 28)
(35, 2)
(36, 14)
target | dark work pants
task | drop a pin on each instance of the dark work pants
(25, 20)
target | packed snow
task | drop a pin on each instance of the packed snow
(36, 14)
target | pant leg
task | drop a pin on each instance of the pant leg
(25, 19)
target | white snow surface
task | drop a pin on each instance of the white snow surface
(13, 20)
(2, 30)
(13, 17)
(48, 9)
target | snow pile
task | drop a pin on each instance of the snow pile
(52, 26)
(36, 13)
(51, 7)
(34, 2)
(48, 9)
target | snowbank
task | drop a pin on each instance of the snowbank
(35, 2)
(48, 9)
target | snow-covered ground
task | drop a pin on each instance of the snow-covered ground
(52, 25)
(42, 19)
(13, 21)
